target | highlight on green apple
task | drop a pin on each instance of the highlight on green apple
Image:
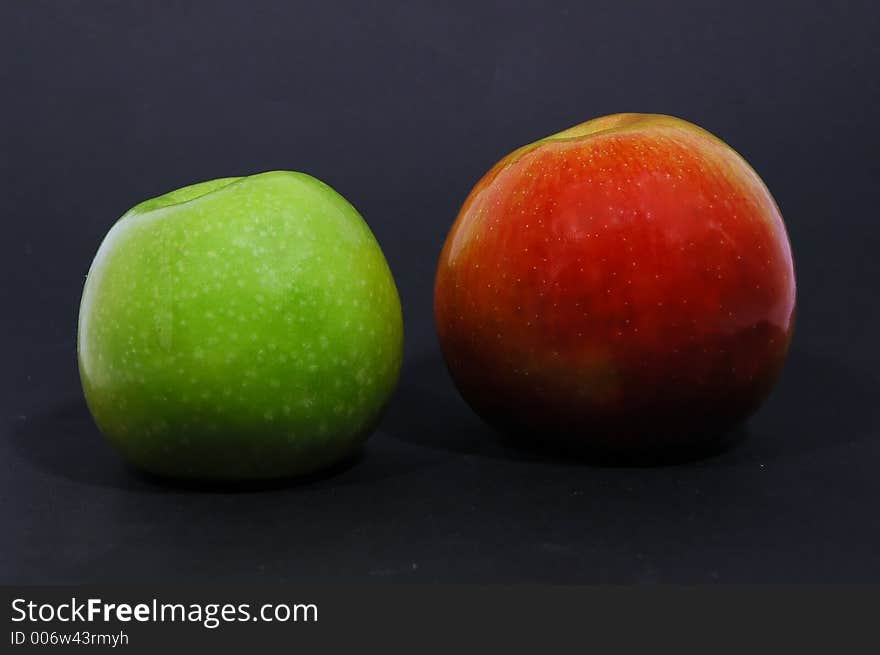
(241, 328)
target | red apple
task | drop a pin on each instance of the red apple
(626, 284)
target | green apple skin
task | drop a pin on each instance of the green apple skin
(239, 329)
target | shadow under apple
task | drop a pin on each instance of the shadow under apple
(818, 403)
(803, 414)
(64, 442)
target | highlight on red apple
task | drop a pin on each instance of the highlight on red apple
(623, 286)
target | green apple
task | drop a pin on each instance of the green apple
(242, 328)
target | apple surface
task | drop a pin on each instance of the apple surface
(624, 286)
(242, 328)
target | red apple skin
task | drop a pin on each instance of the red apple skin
(626, 285)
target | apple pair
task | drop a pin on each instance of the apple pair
(625, 286)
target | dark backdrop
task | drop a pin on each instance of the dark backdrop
(401, 106)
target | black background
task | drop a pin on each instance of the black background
(401, 107)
